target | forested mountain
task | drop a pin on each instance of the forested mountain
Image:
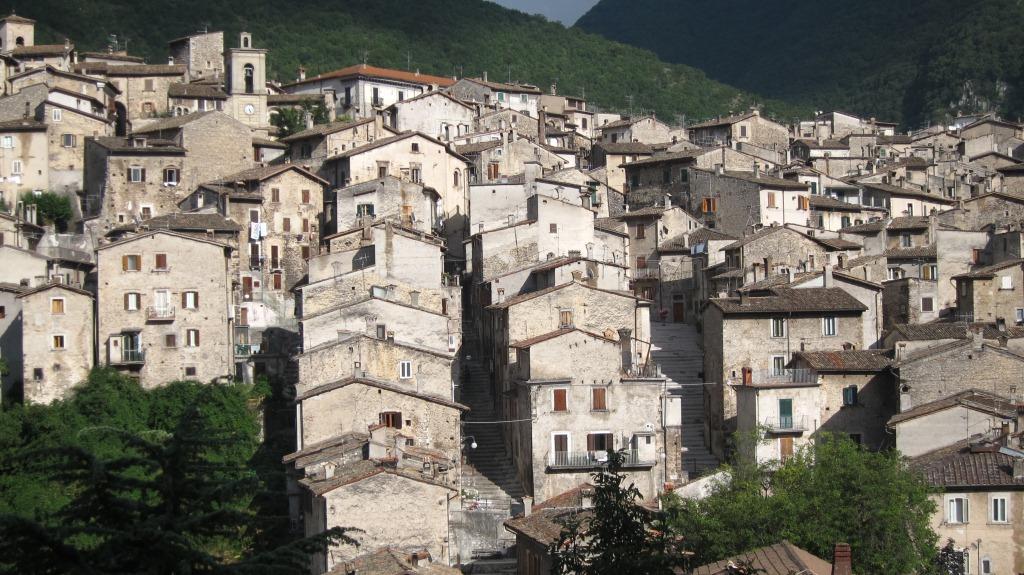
(912, 61)
(442, 37)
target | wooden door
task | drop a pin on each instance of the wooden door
(678, 311)
(247, 287)
(785, 448)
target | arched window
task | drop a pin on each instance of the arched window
(19, 41)
(250, 74)
(245, 42)
(455, 178)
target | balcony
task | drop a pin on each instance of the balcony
(246, 349)
(646, 273)
(649, 370)
(772, 377)
(586, 460)
(160, 313)
(130, 357)
(786, 424)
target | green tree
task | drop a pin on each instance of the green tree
(619, 536)
(950, 560)
(53, 208)
(293, 120)
(830, 491)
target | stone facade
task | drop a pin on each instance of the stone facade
(25, 166)
(10, 339)
(391, 199)
(143, 89)
(942, 370)
(734, 202)
(67, 138)
(993, 293)
(57, 339)
(435, 114)
(165, 318)
(201, 54)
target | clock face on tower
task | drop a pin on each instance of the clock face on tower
(250, 109)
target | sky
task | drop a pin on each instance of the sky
(565, 11)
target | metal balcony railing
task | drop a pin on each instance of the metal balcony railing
(130, 356)
(778, 377)
(646, 370)
(786, 424)
(592, 459)
(160, 313)
(646, 273)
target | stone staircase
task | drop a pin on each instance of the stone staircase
(676, 348)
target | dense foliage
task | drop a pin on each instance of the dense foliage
(292, 120)
(831, 492)
(618, 536)
(53, 208)
(118, 479)
(444, 37)
(900, 60)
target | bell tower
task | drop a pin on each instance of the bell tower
(16, 31)
(247, 82)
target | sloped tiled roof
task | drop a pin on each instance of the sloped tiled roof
(723, 121)
(554, 334)
(171, 123)
(853, 360)
(642, 212)
(960, 466)
(909, 223)
(325, 129)
(477, 147)
(780, 559)
(207, 91)
(360, 470)
(145, 70)
(972, 398)
(625, 147)
(990, 271)
(785, 300)
(367, 71)
(912, 252)
(544, 524)
(192, 222)
(42, 50)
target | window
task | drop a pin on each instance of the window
(1019, 315)
(1006, 282)
(600, 444)
(524, 98)
(598, 399)
(376, 97)
(274, 260)
(828, 326)
(7, 142)
(161, 262)
(560, 445)
(382, 171)
(57, 114)
(850, 396)
(414, 175)
(190, 300)
(709, 205)
(171, 176)
(803, 203)
(553, 228)
(455, 178)
(136, 174)
(286, 224)
(814, 188)
(778, 327)
(192, 338)
(190, 371)
(559, 398)
(57, 342)
(382, 331)
(391, 419)
(132, 301)
(277, 280)
(957, 509)
(3, 312)
(501, 96)
(565, 318)
(986, 566)
(895, 273)
(976, 256)
(68, 140)
(305, 196)
(640, 231)
(771, 199)
(304, 252)
(37, 373)
(998, 506)
(930, 272)
(305, 225)
(364, 210)
(743, 131)
(444, 306)
(171, 340)
(910, 209)
(927, 304)
(148, 87)
(16, 168)
(778, 364)
(275, 194)
(405, 369)
(906, 241)
(249, 73)
(415, 147)
(57, 306)
(401, 96)
(131, 263)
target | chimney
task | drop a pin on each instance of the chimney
(789, 275)
(743, 297)
(1001, 324)
(842, 562)
(626, 348)
(977, 339)
(577, 276)
(1018, 469)
(757, 171)
(485, 75)
(532, 170)
(27, 109)
(527, 505)
(554, 89)
(542, 118)
(719, 170)
(827, 279)
(302, 73)
(767, 266)
(668, 201)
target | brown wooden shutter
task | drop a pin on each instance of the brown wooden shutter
(184, 301)
(161, 261)
(197, 299)
(126, 301)
(197, 338)
(124, 263)
(591, 442)
(143, 174)
(305, 196)
(599, 399)
(305, 225)
(287, 224)
(170, 340)
(560, 400)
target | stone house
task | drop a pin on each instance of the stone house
(522, 98)
(539, 527)
(312, 146)
(651, 179)
(934, 372)
(980, 504)
(949, 420)
(57, 341)
(392, 199)
(578, 117)
(68, 128)
(164, 307)
(361, 91)
(752, 338)
(733, 202)
(505, 158)
(582, 397)
(810, 149)
(206, 135)
(10, 339)
(909, 300)
(142, 89)
(649, 230)
(604, 201)
(642, 129)
(996, 209)
(777, 250)
(751, 131)
(992, 293)
(501, 121)
(184, 99)
(903, 201)
(202, 55)
(1013, 179)
(612, 157)
(434, 113)
(80, 91)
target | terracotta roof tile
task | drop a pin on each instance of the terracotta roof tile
(367, 71)
(785, 300)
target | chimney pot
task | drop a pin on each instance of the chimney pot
(527, 505)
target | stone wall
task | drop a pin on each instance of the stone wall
(962, 367)
(61, 369)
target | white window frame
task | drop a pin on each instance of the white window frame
(189, 342)
(1019, 314)
(177, 176)
(986, 569)
(568, 440)
(7, 142)
(64, 140)
(135, 174)
(190, 299)
(966, 510)
(1006, 282)
(999, 508)
(771, 327)
(452, 343)
(404, 369)
(63, 339)
(134, 301)
(771, 360)
(16, 168)
(57, 114)
(827, 322)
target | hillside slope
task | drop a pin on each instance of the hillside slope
(436, 36)
(911, 61)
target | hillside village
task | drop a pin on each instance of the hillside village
(474, 289)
